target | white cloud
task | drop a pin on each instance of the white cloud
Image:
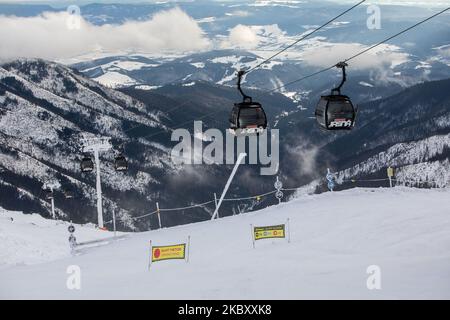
(48, 36)
(444, 51)
(243, 37)
(329, 53)
(304, 156)
(238, 13)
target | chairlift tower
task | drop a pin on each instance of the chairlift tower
(95, 146)
(52, 185)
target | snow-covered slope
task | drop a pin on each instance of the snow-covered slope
(30, 239)
(335, 237)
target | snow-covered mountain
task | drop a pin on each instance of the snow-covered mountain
(220, 66)
(421, 163)
(334, 239)
(46, 108)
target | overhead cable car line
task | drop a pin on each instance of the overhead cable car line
(339, 113)
(263, 62)
(248, 117)
(301, 79)
(304, 37)
(361, 52)
(396, 35)
(317, 72)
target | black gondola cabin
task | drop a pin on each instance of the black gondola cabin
(247, 117)
(336, 111)
(121, 164)
(87, 165)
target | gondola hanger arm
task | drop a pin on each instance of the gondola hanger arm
(341, 65)
(245, 97)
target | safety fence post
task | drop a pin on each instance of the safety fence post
(53, 205)
(188, 248)
(114, 221)
(215, 201)
(253, 235)
(158, 212)
(150, 255)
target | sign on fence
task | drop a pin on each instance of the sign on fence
(390, 172)
(177, 251)
(269, 232)
(170, 252)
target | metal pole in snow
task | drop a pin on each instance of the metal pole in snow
(215, 201)
(238, 162)
(114, 221)
(150, 256)
(188, 248)
(253, 235)
(53, 204)
(159, 215)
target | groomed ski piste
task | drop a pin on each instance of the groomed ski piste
(335, 237)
